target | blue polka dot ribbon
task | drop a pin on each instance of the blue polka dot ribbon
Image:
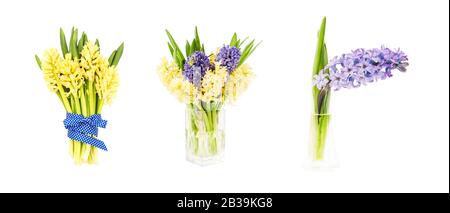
(83, 129)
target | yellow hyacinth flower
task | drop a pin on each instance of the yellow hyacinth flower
(212, 57)
(107, 82)
(168, 72)
(238, 82)
(172, 78)
(91, 60)
(96, 68)
(213, 83)
(50, 68)
(183, 90)
(71, 74)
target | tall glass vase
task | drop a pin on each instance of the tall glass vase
(322, 152)
(205, 133)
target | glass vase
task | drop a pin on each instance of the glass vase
(205, 133)
(322, 152)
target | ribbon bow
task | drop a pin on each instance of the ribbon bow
(84, 129)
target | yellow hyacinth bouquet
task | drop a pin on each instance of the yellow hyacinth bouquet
(205, 83)
(84, 81)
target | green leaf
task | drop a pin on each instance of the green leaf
(86, 40)
(193, 47)
(323, 62)
(111, 57)
(320, 60)
(73, 44)
(240, 43)
(188, 48)
(70, 40)
(62, 41)
(197, 38)
(118, 54)
(249, 46)
(170, 48)
(319, 47)
(176, 58)
(80, 44)
(324, 57)
(175, 46)
(248, 50)
(97, 42)
(234, 41)
(254, 48)
(38, 61)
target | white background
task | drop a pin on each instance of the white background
(391, 136)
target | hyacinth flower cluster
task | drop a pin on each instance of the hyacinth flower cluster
(220, 76)
(205, 82)
(83, 80)
(361, 66)
(350, 70)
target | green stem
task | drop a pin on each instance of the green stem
(84, 108)
(321, 123)
(78, 145)
(209, 131)
(99, 105)
(94, 108)
(73, 142)
(209, 119)
(320, 142)
(193, 129)
(64, 99)
(76, 100)
(205, 120)
(85, 148)
(92, 97)
(60, 98)
(212, 131)
(84, 112)
(214, 118)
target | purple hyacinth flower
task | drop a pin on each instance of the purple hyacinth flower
(229, 57)
(195, 67)
(362, 66)
(320, 80)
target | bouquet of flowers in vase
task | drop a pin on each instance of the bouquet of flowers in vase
(84, 81)
(205, 83)
(349, 70)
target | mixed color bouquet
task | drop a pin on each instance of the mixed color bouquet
(205, 83)
(350, 70)
(84, 81)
